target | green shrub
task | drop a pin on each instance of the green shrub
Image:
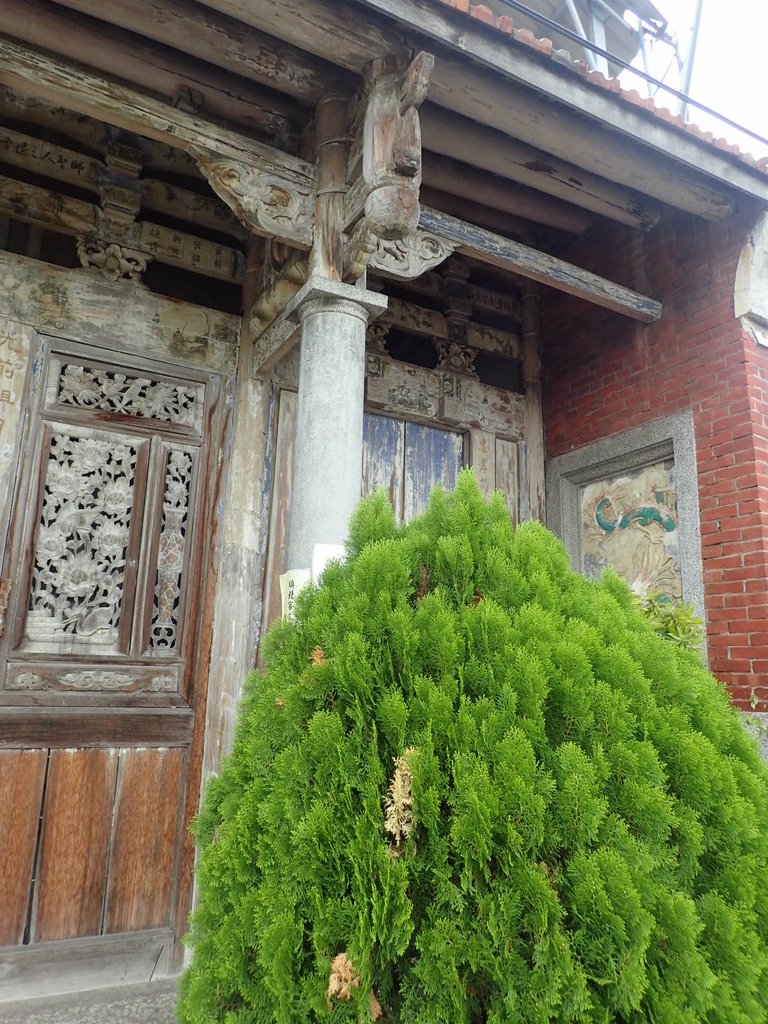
(472, 787)
(676, 621)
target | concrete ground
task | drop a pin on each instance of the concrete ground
(132, 1004)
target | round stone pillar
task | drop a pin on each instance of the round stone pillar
(328, 450)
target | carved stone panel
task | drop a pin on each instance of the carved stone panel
(80, 548)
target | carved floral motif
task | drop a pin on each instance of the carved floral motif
(170, 561)
(113, 260)
(453, 357)
(412, 256)
(91, 680)
(92, 388)
(79, 562)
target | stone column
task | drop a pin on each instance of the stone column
(327, 461)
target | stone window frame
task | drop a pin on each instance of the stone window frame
(668, 436)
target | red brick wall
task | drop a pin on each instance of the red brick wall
(604, 373)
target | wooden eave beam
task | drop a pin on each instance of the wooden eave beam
(219, 40)
(498, 251)
(326, 29)
(162, 71)
(230, 160)
(516, 62)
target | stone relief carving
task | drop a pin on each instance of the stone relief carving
(412, 256)
(170, 559)
(113, 260)
(79, 561)
(265, 202)
(95, 388)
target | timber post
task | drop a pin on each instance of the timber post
(533, 411)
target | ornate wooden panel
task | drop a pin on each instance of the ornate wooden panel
(22, 775)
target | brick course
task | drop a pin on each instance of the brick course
(603, 374)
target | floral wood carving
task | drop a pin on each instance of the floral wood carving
(170, 559)
(79, 563)
(90, 680)
(412, 256)
(376, 338)
(454, 357)
(113, 260)
(265, 203)
(95, 388)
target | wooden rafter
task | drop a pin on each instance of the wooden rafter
(271, 191)
(494, 99)
(498, 251)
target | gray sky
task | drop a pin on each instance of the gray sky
(730, 65)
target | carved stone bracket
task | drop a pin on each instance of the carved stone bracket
(113, 260)
(454, 357)
(266, 203)
(412, 256)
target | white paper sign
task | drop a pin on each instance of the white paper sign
(291, 584)
(322, 555)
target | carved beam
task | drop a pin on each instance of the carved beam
(270, 191)
(35, 205)
(498, 251)
(225, 42)
(165, 72)
(282, 274)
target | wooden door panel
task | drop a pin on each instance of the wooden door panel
(383, 458)
(143, 848)
(508, 475)
(432, 455)
(74, 844)
(22, 776)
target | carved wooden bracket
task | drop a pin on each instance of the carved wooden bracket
(267, 202)
(113, 260)
(383, 202)
(411, 256)
(454, 357)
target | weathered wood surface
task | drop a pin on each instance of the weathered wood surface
(143, 850)
(331, 144)
(435, 396)
(22, 775)
(507, 474)
(98, 726)
(218, 40)
(74, 844)
(434, 285)
(75, 965)
(384, 458)
(491, 98)
(16, 343)
(462, 179)
(538, 266)
(239, 570)
(534, 409)
(432, 456)
(91, 133)
(40, 206)
(281, 476)
(121, 314)
(430, 323)
(164, 72)
(268, 188)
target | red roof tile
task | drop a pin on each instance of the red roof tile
(504, 23)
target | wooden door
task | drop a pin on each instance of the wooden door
(100, 698)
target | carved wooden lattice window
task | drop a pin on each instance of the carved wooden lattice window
(109, 524)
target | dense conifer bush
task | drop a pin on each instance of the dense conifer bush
(472, 787)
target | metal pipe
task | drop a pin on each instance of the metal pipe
(580, 31)
(685, 86)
